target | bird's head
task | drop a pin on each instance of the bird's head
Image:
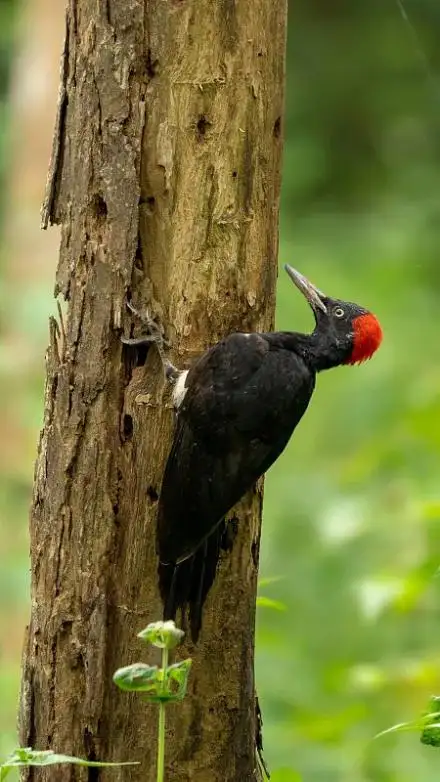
(344, 333)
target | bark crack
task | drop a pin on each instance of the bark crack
(56, 163)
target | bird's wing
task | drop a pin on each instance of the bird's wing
(241, 406)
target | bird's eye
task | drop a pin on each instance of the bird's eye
(338, 312)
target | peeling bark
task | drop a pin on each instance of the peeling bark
(165, 180)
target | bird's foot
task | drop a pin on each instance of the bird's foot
(153, 336)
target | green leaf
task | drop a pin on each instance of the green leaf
(424, 723)
(175, 686)
(400, 727)
(25, 756)
(149, 680)
(164, 635)
(268, 602)
(138, 677)
(262, 582)
(431, 731)
(177, 679)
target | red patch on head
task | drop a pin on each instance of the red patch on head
(367, 336)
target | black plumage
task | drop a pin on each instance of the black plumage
(238, 406)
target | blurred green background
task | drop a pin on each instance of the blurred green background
(352, 509)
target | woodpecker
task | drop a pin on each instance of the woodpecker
(237, 407)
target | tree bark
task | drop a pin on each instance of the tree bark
(165, 178)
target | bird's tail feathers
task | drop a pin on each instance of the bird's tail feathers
(185, 585)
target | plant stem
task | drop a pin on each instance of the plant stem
(161, 729)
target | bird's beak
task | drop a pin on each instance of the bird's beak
(312, 294)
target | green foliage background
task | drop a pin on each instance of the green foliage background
(352, 509)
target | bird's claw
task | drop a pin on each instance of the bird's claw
(155, 336)
(155, 331)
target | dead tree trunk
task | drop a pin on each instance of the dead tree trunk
(165, 179)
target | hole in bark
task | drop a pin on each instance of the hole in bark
(152, 494)
(151, 65)
(277, 128)
(254, 553)
(108, 13)
(99, 207)
(260, 54)
(234, 175)
(128, 427)
(139, 260)
(133, 355)
(89, 746)
(149, 203)
(203, 126)
(119, 477)
(229, 534)
(141, 355)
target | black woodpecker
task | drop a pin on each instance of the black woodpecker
(237, 407)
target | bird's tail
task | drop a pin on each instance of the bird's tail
(185, 586)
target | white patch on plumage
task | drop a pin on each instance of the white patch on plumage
(180, 389)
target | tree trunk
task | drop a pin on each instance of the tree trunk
(165, 179)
